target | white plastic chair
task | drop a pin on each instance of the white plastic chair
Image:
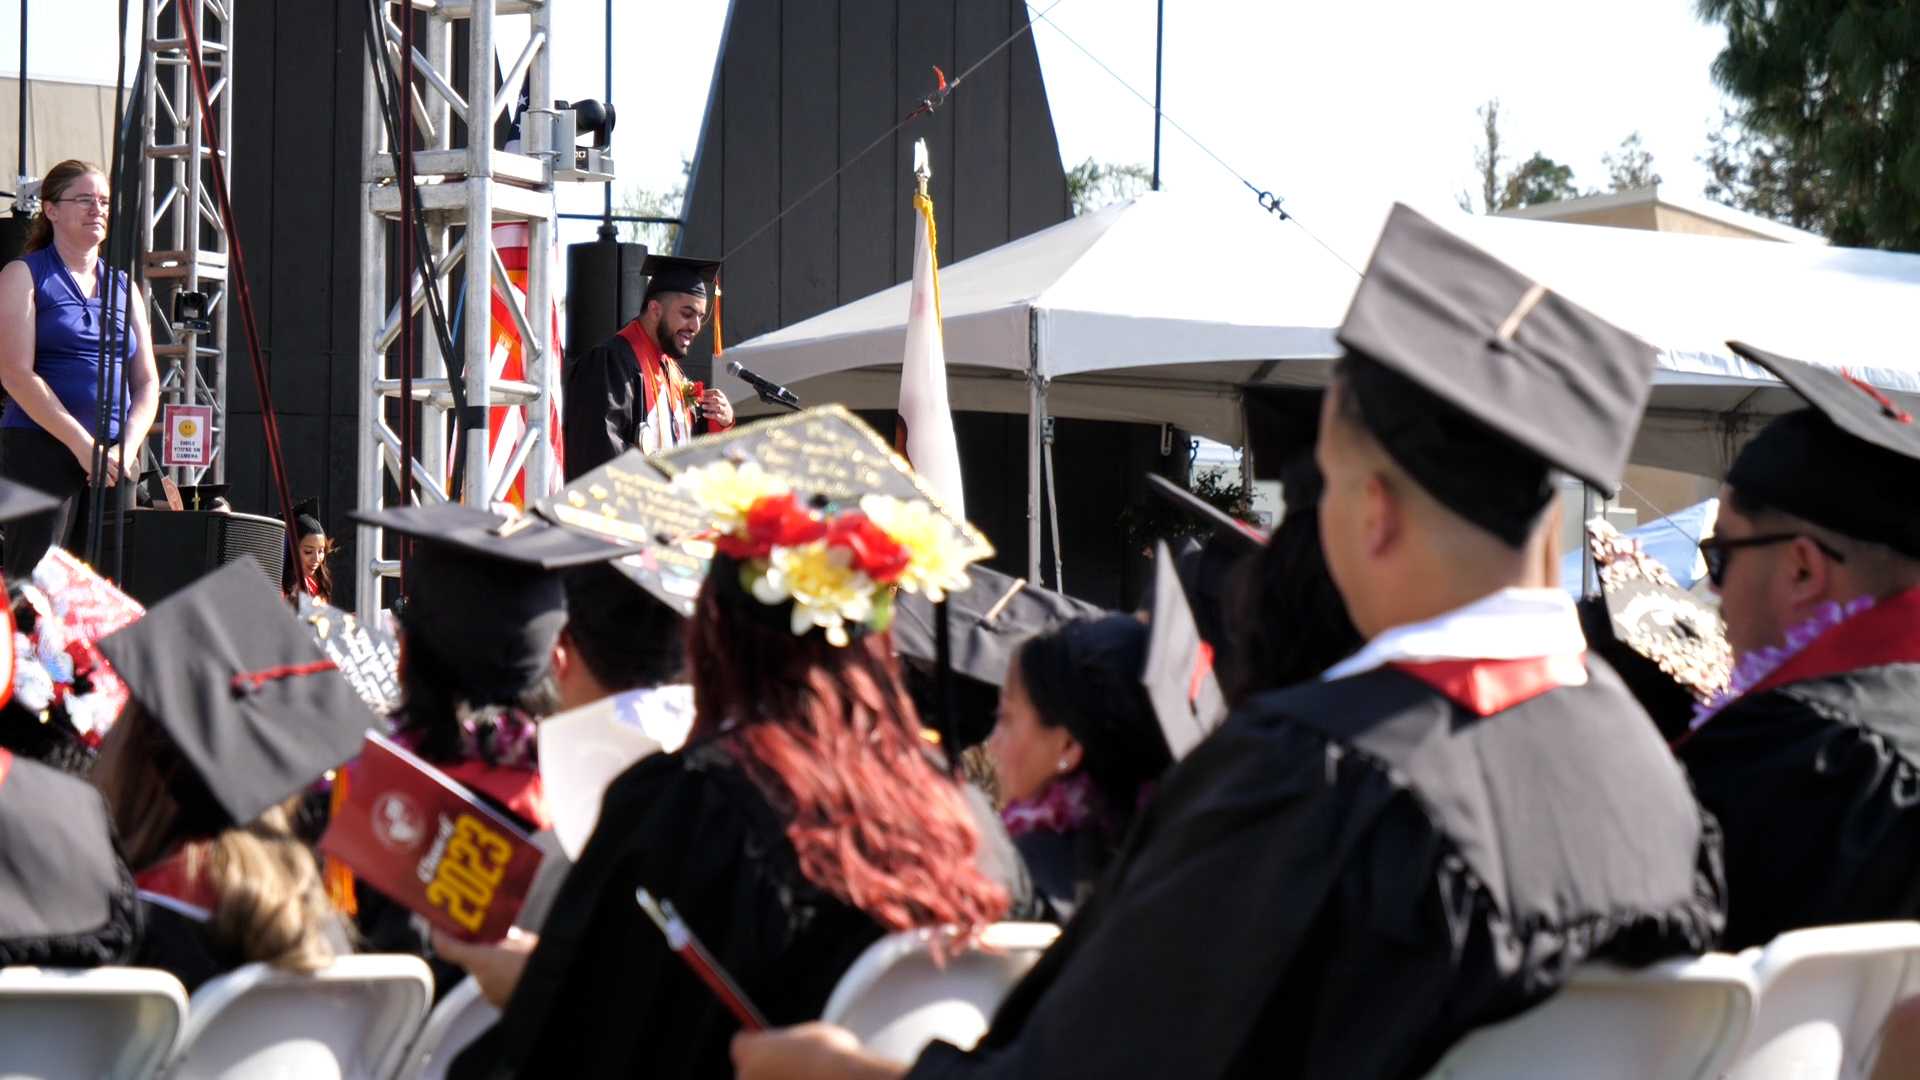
(458, 1020)
(1824, 997)
(352, 1020)
(117, 1022)
(1677, 1019)
(897, 1000)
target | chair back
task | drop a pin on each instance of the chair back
(352, 1020)
(1680, 1018)
(1825, 995)
(458, 1020)
(897, 999)
(115, 1022)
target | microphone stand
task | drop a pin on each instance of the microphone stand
(782, 402)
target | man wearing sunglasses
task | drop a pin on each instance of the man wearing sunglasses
(1811, 760)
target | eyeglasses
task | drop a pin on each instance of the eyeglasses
(98, 202)
(1717, 550)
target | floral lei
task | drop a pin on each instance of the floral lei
(498, 735)
(837, 565)
(1754, 668)
(1067, 804)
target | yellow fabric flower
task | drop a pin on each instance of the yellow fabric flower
(939, 555)
(726, 490)
(826, 590)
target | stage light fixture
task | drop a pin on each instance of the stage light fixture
(190, 311)
(566, 124)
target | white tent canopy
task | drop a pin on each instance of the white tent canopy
(1164, 310)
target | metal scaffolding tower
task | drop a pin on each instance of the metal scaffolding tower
(181, 234)
(464, 188)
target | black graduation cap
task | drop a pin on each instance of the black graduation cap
(253, 705)
(674, 273)
(990, 621)
(1178, 674)
(66, 899)
(1850, 463)
(306, 519)
(825, 452)
(1668, 645)
(627, 501)
(366, 654)
(484, 599)
(1242, 536)
(1478, 380)
(203, 496)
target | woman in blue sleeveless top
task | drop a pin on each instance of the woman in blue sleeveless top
(51, 316)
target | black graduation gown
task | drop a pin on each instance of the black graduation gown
(602, 995)
(605, 401)
(180, 945)
(1347, 877)
(1817, 787)
(66, 898)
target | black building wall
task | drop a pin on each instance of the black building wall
(804, 85)
(296, 191)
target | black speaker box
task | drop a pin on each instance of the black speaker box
(167, 550)
(604, 287)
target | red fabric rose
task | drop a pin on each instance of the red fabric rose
(772, 521)
(878, 555)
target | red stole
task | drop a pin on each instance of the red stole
(1886, 633)
(1485, 687)
(656, 367)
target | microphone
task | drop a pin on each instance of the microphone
(766, 388)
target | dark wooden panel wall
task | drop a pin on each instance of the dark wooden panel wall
(296, 169)
(804, 85)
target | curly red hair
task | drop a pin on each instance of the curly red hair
(832, 737)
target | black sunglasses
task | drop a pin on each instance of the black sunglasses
(1716, 550)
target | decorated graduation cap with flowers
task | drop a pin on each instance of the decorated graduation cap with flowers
(816, 514)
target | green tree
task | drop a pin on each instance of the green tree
(1631, 166)
(1539, 179)
(636, 201)
(1095, 185)
(1748, 171)
(1827, 93)
(1536, 180)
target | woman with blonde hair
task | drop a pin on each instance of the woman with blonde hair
(234, 713)
(61, 310)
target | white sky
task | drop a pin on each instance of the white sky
(1338, 107)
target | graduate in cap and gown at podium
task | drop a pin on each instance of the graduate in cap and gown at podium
(1351, 874)
(630, 391)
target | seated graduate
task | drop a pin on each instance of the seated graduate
(234, 712)
(1075, 751)
(1351, 874)
(1811, 758)
(1285, 616)
(805, 816)
(623, 641)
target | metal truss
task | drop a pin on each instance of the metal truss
(181, 234)
(465, 187)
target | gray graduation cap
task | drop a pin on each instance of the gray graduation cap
(627, 501)
(1479, 380)
(1178, 674)
(990, 620)
(253, 705)
(1851, 462)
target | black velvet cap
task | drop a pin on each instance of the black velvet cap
(672, 273)
(1479, 381)
(1240, 535)
(1851, 463)
(989, 622)
(484, 601)
(253, 705)
(1178, 674)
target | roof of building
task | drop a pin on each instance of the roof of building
(1655, 195)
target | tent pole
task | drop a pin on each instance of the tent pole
(1053, 508)
(1036, 425)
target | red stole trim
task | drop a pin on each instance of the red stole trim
(655, 365)
(1202, 664)
(1886, 633)
(169, 877)
(6, 764)
(1485, 687)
